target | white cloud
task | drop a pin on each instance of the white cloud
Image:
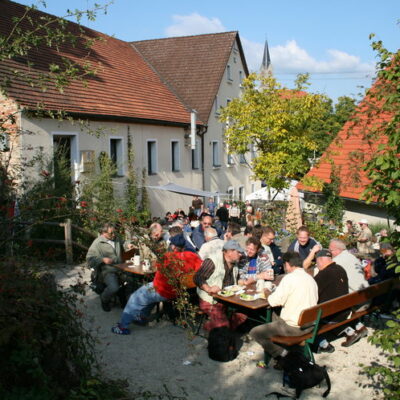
(293, 59)
(286, 58)
(193, 24)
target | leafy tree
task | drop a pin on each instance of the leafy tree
(279, 122)
(380, 128)
(334, 205)
(334, 118)
(381, 112)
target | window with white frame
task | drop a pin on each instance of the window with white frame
(215, 154)
(216, 105)
(253, 152)
(116, 155)
(175, 156)
(229, 159)
(240, 77)
(228, 73)
(242, 159)
(196, 156)
(241, 193)
(230, 193)
(151, 157)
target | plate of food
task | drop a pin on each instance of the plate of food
(234, 288)
(247, 297)
(226, 293)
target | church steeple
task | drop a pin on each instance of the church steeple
(266, 66)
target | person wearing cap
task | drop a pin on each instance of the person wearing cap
(296, 292)
(332, 282)
(174, 264)
(364, 238)
(216, 272)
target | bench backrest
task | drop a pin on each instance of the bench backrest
(345, 302)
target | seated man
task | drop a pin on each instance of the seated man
(216, 272)
(256, 263)
(296, 292)
(176, 229)
(305, 245)
(332, 282)
(273, 251)
(198, 232)
(141, 302)
(212, 245)
(103, 252)
(355, 273)
(381, 264)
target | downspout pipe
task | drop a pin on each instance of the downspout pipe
(201, 131)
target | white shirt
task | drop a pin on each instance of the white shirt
(211, 247)
(296, 292)
(354, 270)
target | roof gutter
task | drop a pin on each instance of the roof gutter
(115, 118)
(344, 198)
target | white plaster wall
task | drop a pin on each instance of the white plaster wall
(355, 211)
(238, 174)
(40, 139)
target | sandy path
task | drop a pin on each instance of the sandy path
(153, 357)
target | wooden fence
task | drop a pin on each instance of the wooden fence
(68, 240)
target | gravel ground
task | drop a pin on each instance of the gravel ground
(161, 358)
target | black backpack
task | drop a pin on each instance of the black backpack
(222, 344)
(96, 283)
(301, 373)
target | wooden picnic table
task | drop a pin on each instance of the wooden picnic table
(235, 300)
(137, 270)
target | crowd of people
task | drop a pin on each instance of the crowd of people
(220, 254)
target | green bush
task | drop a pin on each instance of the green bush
(45, 351)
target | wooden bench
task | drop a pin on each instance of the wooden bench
(315, 315)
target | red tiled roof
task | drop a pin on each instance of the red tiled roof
(192, 66)
(349, 152)
(124, 86)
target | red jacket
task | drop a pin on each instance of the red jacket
(174, 265)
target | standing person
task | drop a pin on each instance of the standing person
(211, 205)
(174, 264)
(197, 205)
(216, 272)
(296, 292)
(234, 213)
(305, 245)
(223, 215)
(364, 238)
(105, 251)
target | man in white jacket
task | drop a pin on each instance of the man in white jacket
(213, 244)
(357, 281)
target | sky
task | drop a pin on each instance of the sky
(328, 39)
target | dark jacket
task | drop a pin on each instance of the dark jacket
(276, 252)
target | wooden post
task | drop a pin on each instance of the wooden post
(68, 241)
